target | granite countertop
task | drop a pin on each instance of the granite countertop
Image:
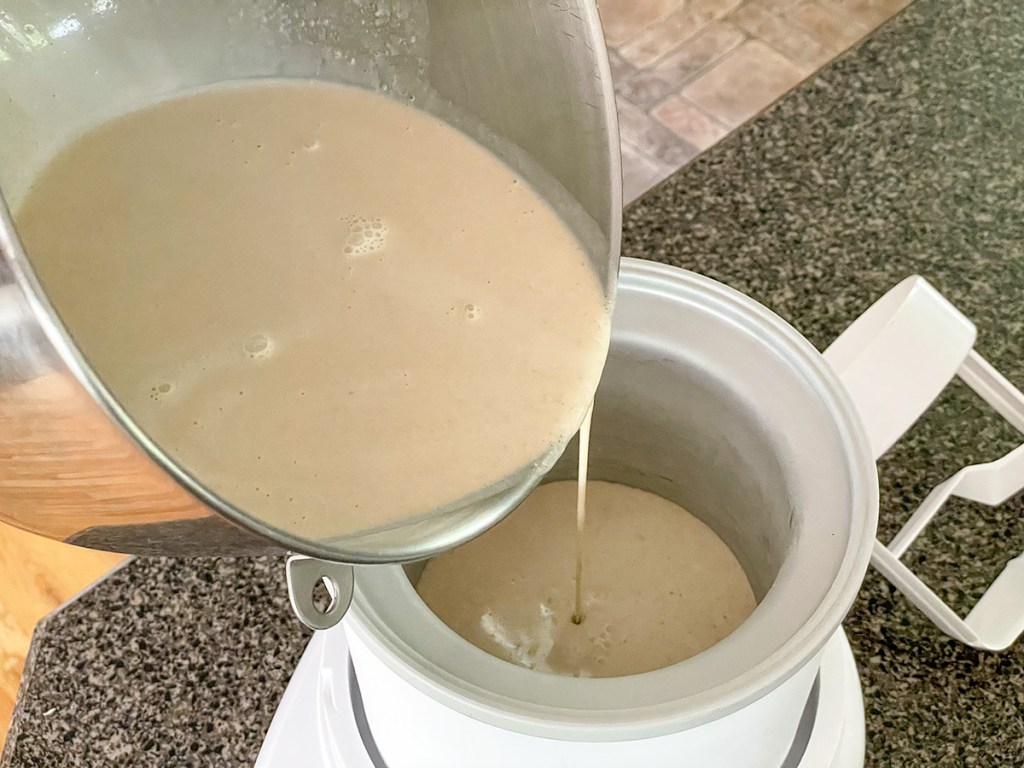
(905, 156)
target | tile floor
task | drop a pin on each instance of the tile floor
(689, 71)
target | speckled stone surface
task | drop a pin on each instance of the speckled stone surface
(905, 156)
(164, 663)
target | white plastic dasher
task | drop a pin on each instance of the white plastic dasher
(895, 359)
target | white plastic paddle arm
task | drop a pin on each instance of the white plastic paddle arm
(895, 359)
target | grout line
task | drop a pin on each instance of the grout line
(745, 38)
(634, 147)
(700, 109)
(639, 32)
(699, 32)
(807, 69)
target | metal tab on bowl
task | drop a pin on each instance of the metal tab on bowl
(306, 576)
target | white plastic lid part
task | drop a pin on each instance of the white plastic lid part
(318, 723)
(895, 359)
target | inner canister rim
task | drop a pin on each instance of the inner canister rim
(832, 489)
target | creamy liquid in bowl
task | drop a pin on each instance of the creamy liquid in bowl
(659, 586)
(334, 309)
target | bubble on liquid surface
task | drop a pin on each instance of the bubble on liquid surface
(258, 346)
(161, 390)
(473, 312)
(366, 235)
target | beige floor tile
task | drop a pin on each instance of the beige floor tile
(666, 35)
(799, 46)
(705, 48)
(640, 173)
(772, 6)
(743, 83)
(622, 19)
(646, 134)
(689, 122)
(620, 69)
(835, 30)
(870, 13)
(647, 87)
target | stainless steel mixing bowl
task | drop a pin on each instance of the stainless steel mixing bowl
(528, 80)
